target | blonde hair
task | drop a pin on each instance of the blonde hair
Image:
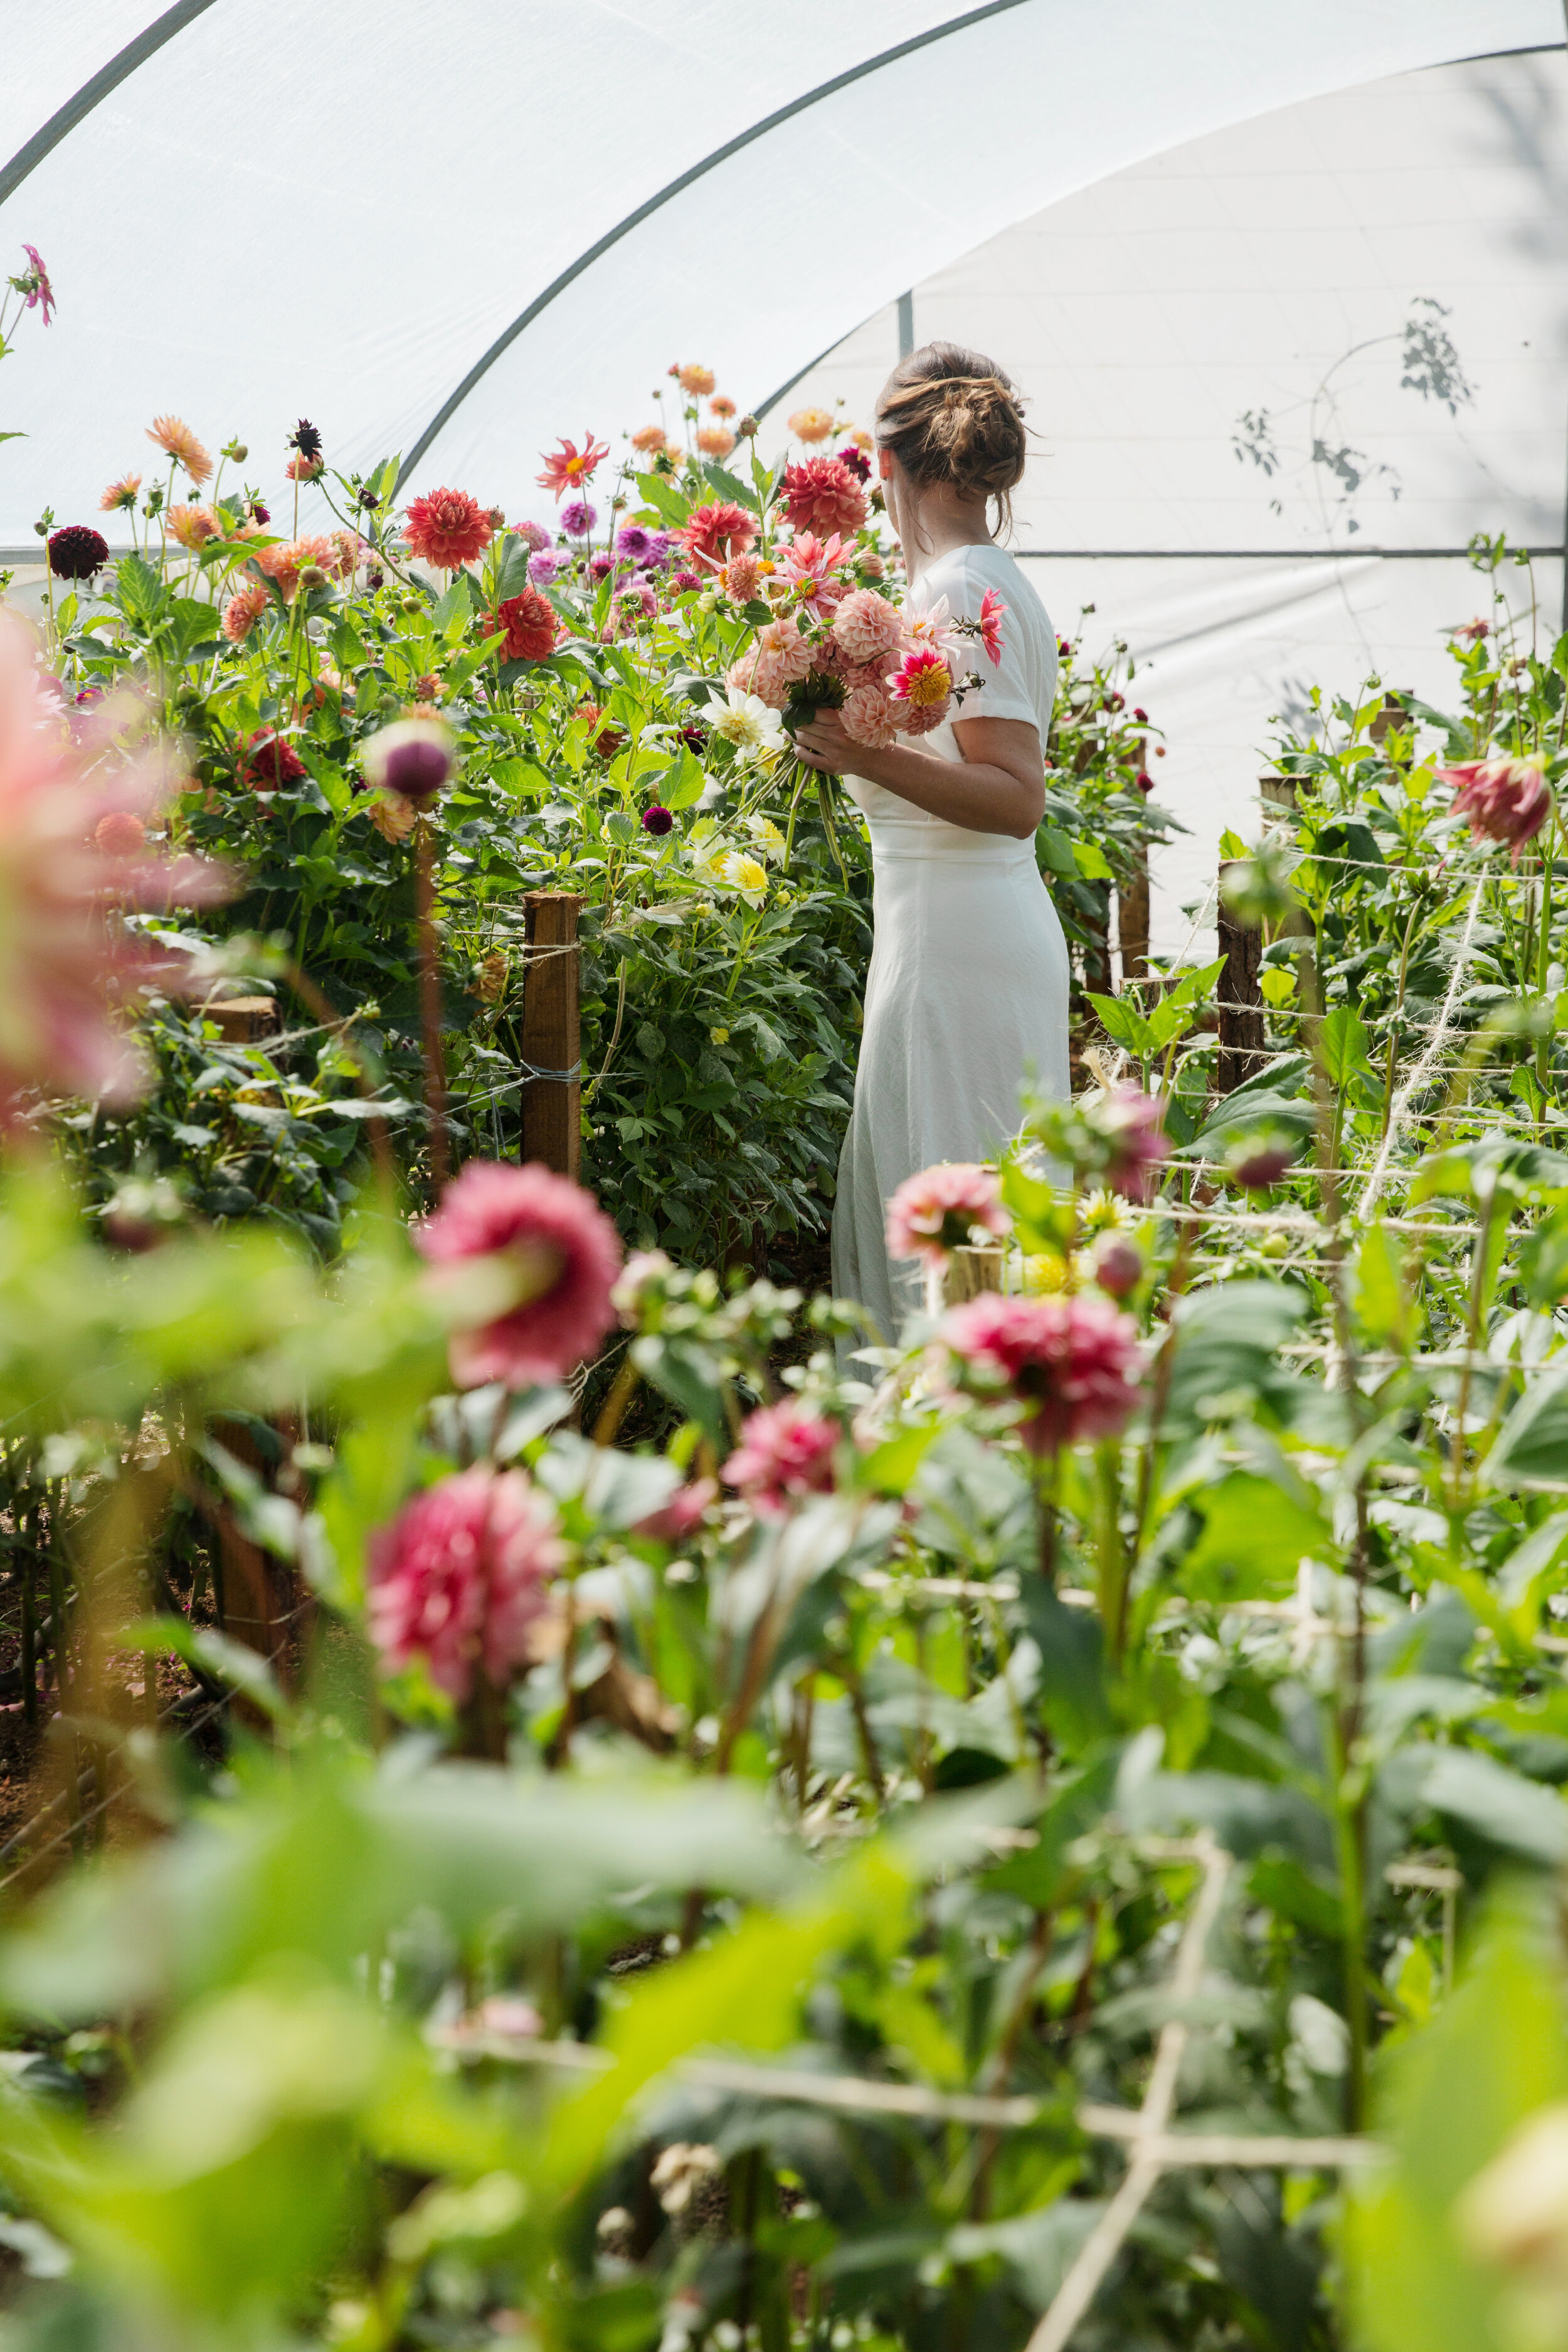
(948, 415)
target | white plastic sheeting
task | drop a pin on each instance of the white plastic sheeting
(1142, 316)
(339, 207)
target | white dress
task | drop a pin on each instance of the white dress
(967, 995)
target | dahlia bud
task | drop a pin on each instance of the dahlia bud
(1118, 1266)
(236, 452)
(312, 576)
(414, 758)
(1256, 1161)
(749, 427)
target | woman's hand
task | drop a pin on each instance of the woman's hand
(822, 745)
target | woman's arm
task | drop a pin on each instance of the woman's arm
(998, 786)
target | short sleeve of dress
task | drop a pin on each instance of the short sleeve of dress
(1009, 690)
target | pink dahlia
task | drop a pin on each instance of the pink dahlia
(569, 467)
(1504, 798)
(459, 1577)
(752, 675)
(1075, 1362)
(786, 1450)
(69, 968)
(867, 626)
(682, 1515)
(559, 1243)
(447, 530)
(922, 691)
(936, 1211)
(991, 608)
(715, 532)
(1131, 1125)
(243, 611)
(782, 647)
(742, 577)
(869, 718)
(287, 560)
(811, 568)
(821, 494)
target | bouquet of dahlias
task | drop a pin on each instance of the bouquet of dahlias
(825, 641)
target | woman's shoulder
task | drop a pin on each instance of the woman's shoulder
(981, 566)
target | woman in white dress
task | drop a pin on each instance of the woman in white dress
(967, 996)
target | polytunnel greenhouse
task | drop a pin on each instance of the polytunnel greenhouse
(783, 1177)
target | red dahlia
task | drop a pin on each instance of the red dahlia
(448, 529)
(821, 495)
(268, 762)
(529, 621)
(717, 532)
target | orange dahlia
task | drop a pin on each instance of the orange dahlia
(648, 437)
(243, 611)
(811, 424)
(721, 405)
(173, 435)
(119, 494)
(714, 442)
(693, 378)
(193, 525)
(447, 528)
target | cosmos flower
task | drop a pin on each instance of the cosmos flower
(460, 1578)
(555, 1238)
(569, 467)
(447, 530)
(173, 435)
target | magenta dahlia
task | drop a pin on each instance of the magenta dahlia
(1131, 1125)
(562, 1245)
(1073, 1361)
(936, 1211)
(785, 1452)
(459, 1577)
(1503, 799)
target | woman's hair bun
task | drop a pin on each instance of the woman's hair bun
(948, 415)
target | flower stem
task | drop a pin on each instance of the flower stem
(430, 1003)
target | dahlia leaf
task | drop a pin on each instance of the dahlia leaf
(728, 486)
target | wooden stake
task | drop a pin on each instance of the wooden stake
(551, 1034)
(1241, 1037)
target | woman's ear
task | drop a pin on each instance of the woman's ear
(885, 465)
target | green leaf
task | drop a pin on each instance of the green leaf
(1532, 1449)
(1124, 1024)
(214, 1654)
(1056, 848)
(1091, 862)
(1345, 1045)
(1254, 1537)
(686, 781)
(670, 504)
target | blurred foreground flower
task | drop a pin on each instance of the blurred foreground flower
(1073, 1361)
(1130, 1127)
(564, 1251)
(937, 1211)
(1503, 799)
(413, 758)
(66, 962)
(785, 1452)
(459, 1579)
